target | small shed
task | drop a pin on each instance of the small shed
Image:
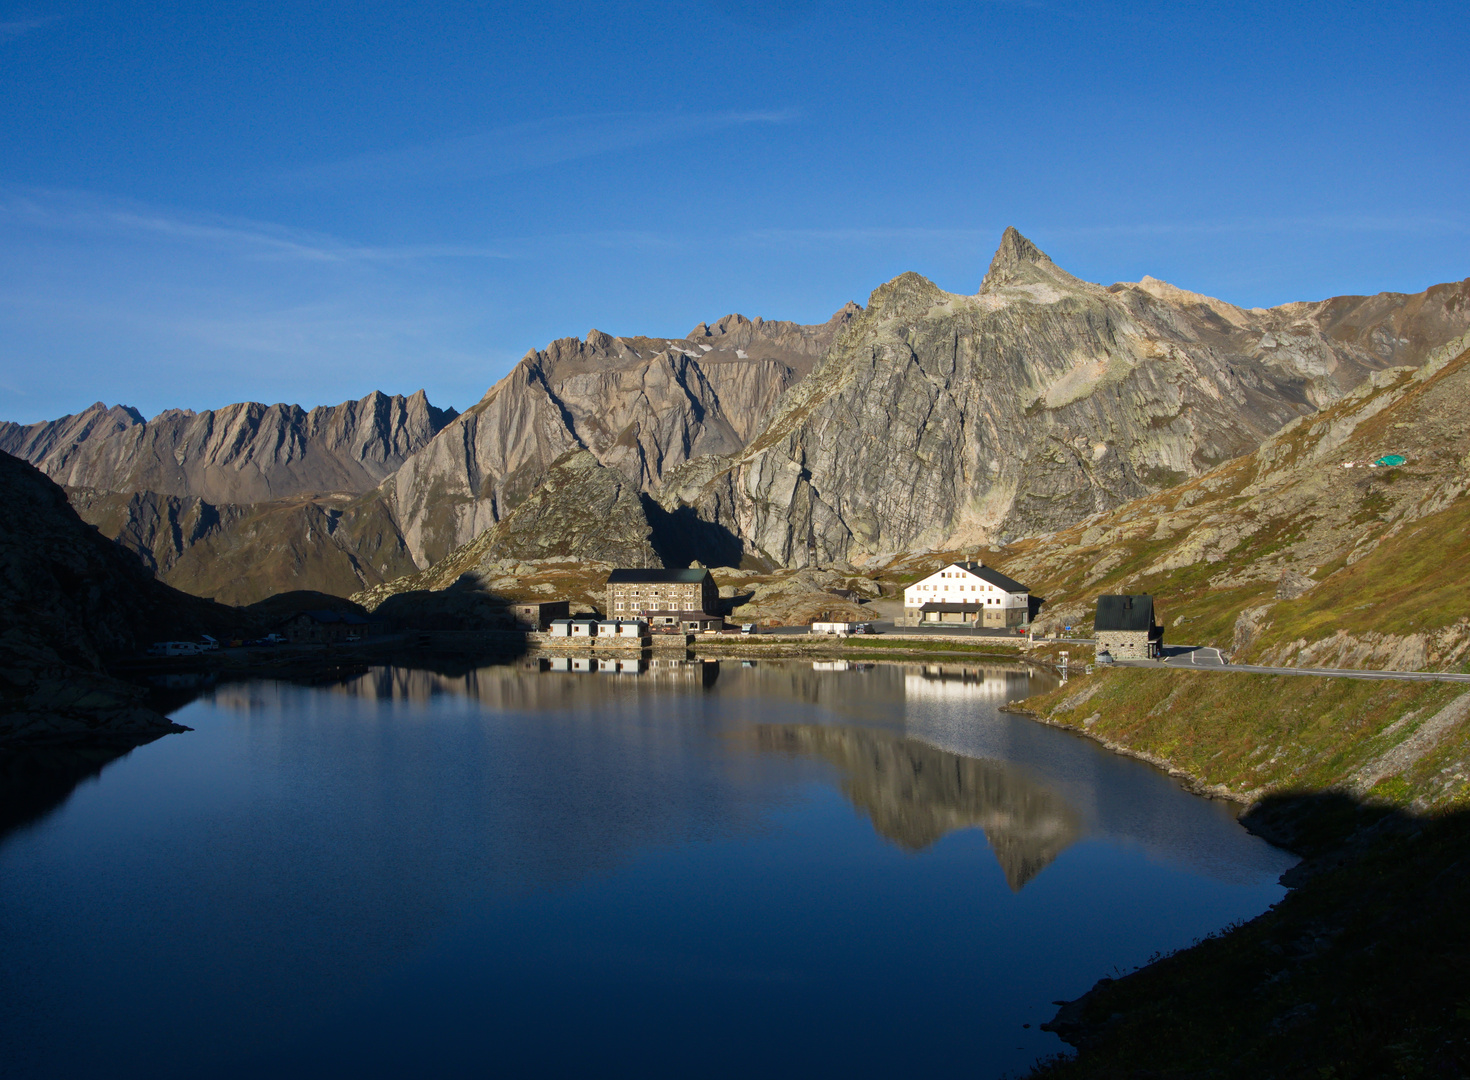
(622, 628)
(832, 627)
(584, 627)
(561, 627)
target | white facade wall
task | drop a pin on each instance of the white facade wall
(956, 585)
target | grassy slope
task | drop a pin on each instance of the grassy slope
(1359, 971)
(1252, 735)
(1387, 550)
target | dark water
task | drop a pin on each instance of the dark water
(702, 870)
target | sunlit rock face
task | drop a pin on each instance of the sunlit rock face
(583, 512)
(916, 793)
(242, 453)
(939, 420)
(246, 501)
(642, 406)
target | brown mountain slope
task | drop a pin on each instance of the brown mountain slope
(940, 420)
(240, 554)
(1288, 556)
(240, 502)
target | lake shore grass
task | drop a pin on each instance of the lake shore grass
(1359, 971)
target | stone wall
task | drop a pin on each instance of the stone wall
(1124, 644)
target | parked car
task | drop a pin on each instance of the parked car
(748, 628)
(209, 644)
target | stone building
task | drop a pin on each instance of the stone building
(537, 615)
(325, 627)
(1127, 628)
(646, 593)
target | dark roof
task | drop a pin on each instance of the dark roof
(1124, 613)
(935, 606)
(657, 577)
(995, 577)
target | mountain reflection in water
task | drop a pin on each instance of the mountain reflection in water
(915, 793)
(591, 871)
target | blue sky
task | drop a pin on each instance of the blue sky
(205, 203)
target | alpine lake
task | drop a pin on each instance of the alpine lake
(679, 868)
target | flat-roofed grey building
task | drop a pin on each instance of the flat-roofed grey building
(538, 615)
(1128, 628)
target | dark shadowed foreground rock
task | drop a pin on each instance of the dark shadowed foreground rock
(70, 601)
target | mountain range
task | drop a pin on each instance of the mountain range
(924, 421)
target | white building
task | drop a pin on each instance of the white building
(967, 593)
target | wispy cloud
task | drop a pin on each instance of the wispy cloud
(861, 236)
(532, 145)
(88, 214)
(15, 28)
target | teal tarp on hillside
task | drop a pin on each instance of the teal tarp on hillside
(1390, 459)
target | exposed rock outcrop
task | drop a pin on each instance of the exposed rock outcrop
(242, 453)
(1306, 551)
(642, 406)
(939, 420)
(584, 514)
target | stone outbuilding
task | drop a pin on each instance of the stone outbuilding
(536, 616)
(1128, 628)
(324, 627)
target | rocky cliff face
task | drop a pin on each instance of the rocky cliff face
(940, 421)
(927, 421)
(244, 501)
(642, 406)
(1305, 551)
(583, 514)
(243, 453)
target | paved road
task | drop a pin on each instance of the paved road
(885, 627)
(1210, 659)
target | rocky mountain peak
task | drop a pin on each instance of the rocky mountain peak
(731, 324)
(1020, 262)
(906, 295)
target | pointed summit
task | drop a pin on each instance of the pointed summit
(1020, 262)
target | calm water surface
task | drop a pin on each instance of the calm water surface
(692, 870)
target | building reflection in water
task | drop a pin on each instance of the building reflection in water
(912, 790)
(915, 793)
